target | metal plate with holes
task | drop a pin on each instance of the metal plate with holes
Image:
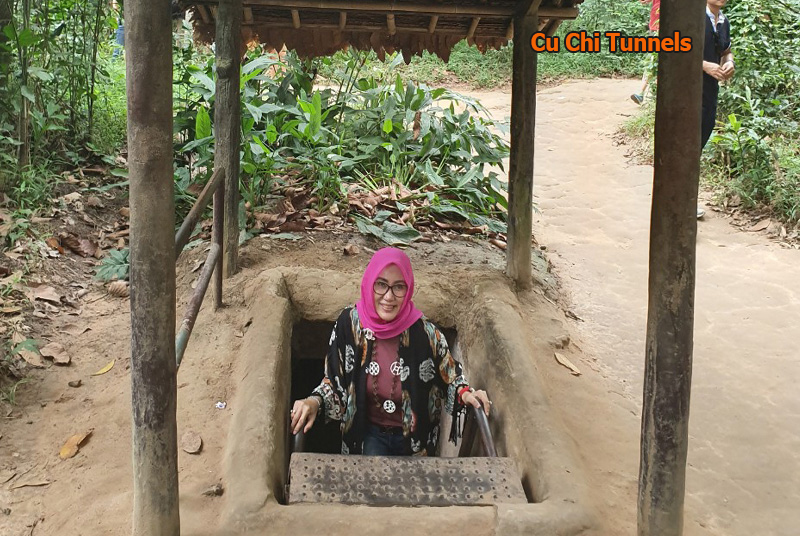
(403, 481)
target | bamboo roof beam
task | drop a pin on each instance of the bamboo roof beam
(203, 14)
(430, 8)
(433, 23)
(296, 19)
(472, 27)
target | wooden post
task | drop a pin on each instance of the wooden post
(523, 127)
(228, 122)
(148, 36)
(670, 316)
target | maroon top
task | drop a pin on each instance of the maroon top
(386, 352)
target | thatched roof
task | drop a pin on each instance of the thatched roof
(320, 28)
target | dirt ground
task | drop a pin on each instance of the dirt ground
(744, 468)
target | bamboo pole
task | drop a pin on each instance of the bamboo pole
(342, 20)
(433, 23)
(148, 35)
(472, 27)
(196, 212)
(427, 8)
(228, 123)
(523, 127)
(390, 24)
(195, 302)
(670, 315)
(296, 19)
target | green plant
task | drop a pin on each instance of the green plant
(9, 394)
(116, 265)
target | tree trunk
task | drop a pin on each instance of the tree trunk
(670, 316)
(153, 370)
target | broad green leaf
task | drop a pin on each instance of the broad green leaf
(202, 128)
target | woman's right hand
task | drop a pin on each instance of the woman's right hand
(303, 413)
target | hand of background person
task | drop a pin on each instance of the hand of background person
(303, 413)
(476, 398)
(714, 70)
(728, 68)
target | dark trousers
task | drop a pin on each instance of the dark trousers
(709, 115)
(380, 443)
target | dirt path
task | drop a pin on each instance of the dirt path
(744, 457)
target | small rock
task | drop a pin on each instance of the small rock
(191, 442)
(214, 491)
(74, 383)
(351, 250)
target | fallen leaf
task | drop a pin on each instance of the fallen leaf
(214, 491)
(56, 352)
(72, 197)
(562, 359)
(48, 294)
(238, 333)
(74, 330)
(55, 244)
(191, 442)
(73, 444)
(31, 483)
(119, 289)
(104, 369)
(125, 212)
(351, 250)
(94, 201)
(10, 309)
(760, 226)
(499, 243)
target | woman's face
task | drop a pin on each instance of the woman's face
(387, 304)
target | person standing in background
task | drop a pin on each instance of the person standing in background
(655, 15)
(718, 66)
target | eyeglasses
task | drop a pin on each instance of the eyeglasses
(398, 289)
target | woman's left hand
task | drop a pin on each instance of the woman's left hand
(476, 399)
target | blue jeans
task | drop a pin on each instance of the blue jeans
(378, 443)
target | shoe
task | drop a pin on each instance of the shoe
(638, 99)
(700, 213)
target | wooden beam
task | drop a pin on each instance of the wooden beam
(296, 19)
(671, 285)
(377, 28)
(510, 31)
(228, 123)
(531, 7)
(148, 39)
(248, 14)
(201, 9)
(342, 20)
(520, 175)
(424, 8)
(472, 27)
(433, 23)
(390, 24)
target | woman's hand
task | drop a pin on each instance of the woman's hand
(714, 70)
(304, 412)
(476, 399)
(728, 68)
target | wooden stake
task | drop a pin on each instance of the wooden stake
(433, 23)
(296, 19)
(523, 127)
(228, 115)
(390, 24)
(670, 315)
(148, 36)
(472, 27)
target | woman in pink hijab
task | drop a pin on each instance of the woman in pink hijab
(388, 371)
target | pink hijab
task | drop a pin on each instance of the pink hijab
(366, 306)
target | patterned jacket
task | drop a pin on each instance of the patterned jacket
(430, 378)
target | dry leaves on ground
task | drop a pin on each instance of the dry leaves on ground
(73, 444)
(562, 360)
(105, 369)
(119, 289)
(56, 352)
